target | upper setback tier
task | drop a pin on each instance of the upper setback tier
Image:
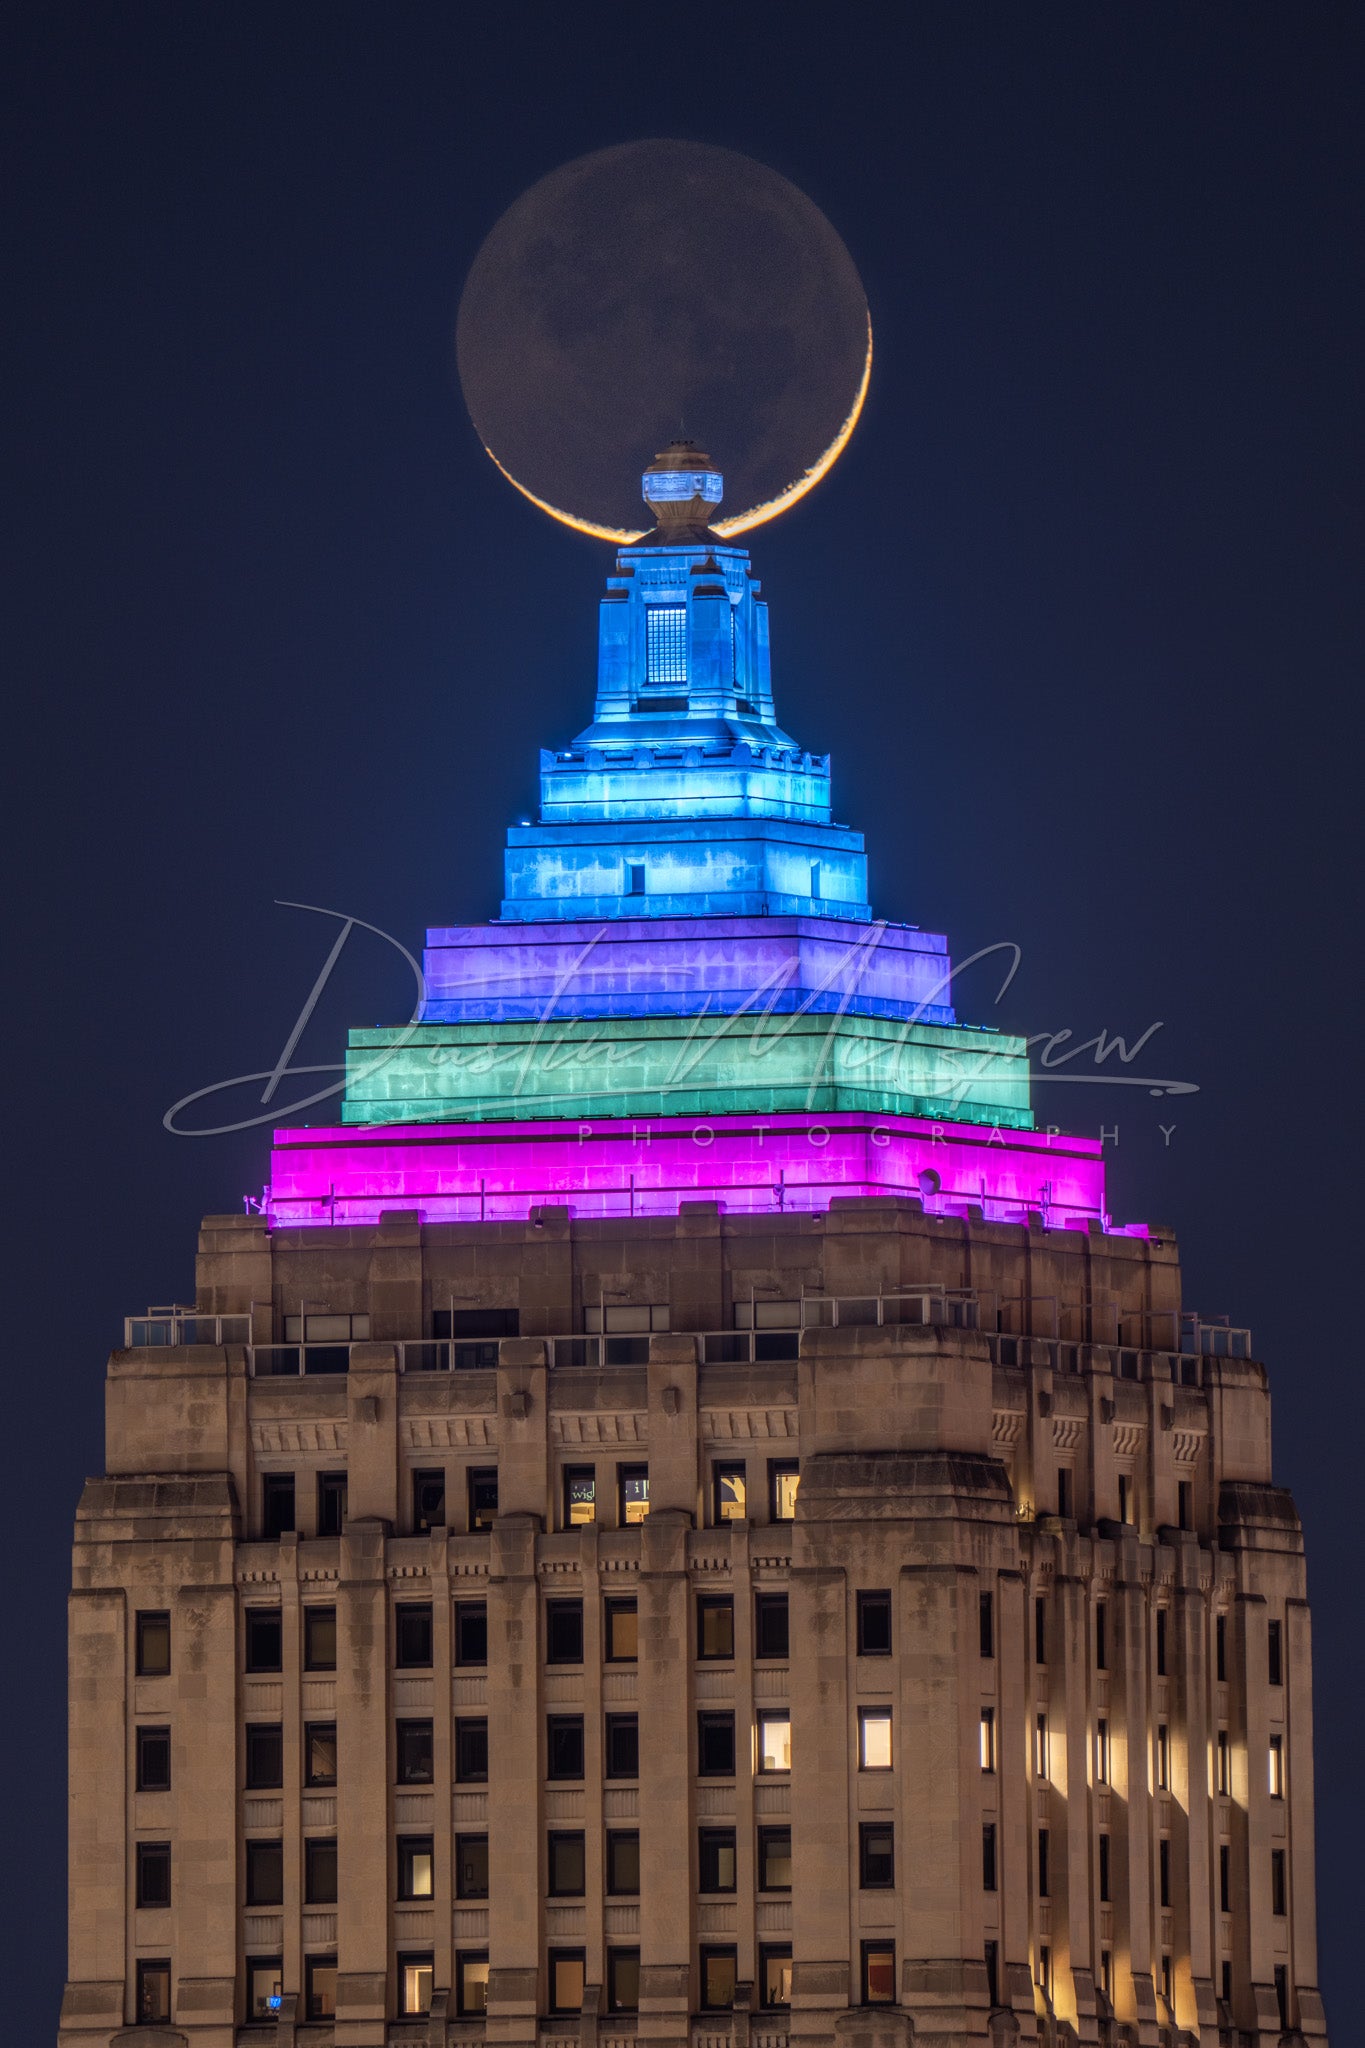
(644, 967)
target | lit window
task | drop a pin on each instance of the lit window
(622, 1631)
(1277, 1767)
(874, 1738)
(154, 1990)
(416, 1867)
(783, 1481)
(1222, 1781)
(320, 1988)
(988, 1738)
(566, 1979)
(718, 1972)
(471, 1982)
(1040, 1749)
(731, 1493)
(666, 643)
(415, 1979)
(775, 1742)
(879, 1973)
(775, 1976)
(1102, 1752)
(580, 1496)
(1163, 1757)
(632, 1483)
(264, 1988)
(320, 1753)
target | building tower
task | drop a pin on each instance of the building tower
(682, 1519)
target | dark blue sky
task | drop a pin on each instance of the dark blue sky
(1079, 616)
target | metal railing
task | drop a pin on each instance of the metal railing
(174, 1325)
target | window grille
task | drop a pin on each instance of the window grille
(666, 643)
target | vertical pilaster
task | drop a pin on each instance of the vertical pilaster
(667, 1751)
(514, 1774)
(364, 1847)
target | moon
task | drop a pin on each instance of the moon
(655, 290)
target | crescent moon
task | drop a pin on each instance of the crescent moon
(741, 522)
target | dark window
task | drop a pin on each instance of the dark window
(153, 1644)
(784, 1478)
(876, 1856)
(320, 1987)
(1278, 1903)
(771, 1633)
(566, 1866)
(1282, 1993)
(564, 1745)
(993, 1974)
(320, 1871)
(623, 1979)
(471, 1982)
(775, 1976)
(1166, 1978)
(428, 1501)
(623, 1861)
(1104, 1870)
(319, 1639)
(563, 1631)
(471, 1752)
(580, 1495)
(265, 1873)
(331, 1512)
(632, 1494)
(1227, 1982)
(874, 1624)
(1161, 1642)
(716, 1745)
(467, 1323)
(471, 1632)
(1275, 1653)
(264, 1756)
(1163, 1861)
(1185, 1497)
(717, 1979)
(277, 1504)
(621, 1631)
(416, 1867)
(635, 878)
(154, 1873)
(715, 1859)
(774, 1859)
(483, 1498)
(413, 1753)
(730, 1493)
(715, 1625)
(153, 1990)
(623, 1746)
(878, 1973)
(1063, 1493)
(471, 1866)
(1224, 1878)
(1044, 1862)
(566, 1969)
(1101, 1635)
(1220, 1647)
(263, 1638)
(153, 1759)
(412, 1635)
(1039, 1630)
(988, 1868)
(320, 1753)
(987, 1625)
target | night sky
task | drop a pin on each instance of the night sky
(1078, 615)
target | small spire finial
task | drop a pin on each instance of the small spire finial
(682, 487)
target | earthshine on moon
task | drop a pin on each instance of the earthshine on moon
(657, 289)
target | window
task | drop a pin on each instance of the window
(623, 1746)
(563, 1631)
(1040, 1630)
(566, 1979)
(471, 1982)
(988, 1867)
(428, 1501)
(1222, 1764)
(1161, 1618)
(1040, 1749)
(153, 1759)
(1104, 1870)
(1163, 1861)
(718, 1971)
(622, 1631)
(784, 1477)
(413, 1753)
(412, 1635)
(874, 1738)
(564, 1745)
(1220, 1648)
(264, 1987)
(1185, 1503)
(471, 1632)
(1044, 1864)
(1043, 1968)
(265, 1873)
(154, 1873)
(319, 1639)
(774, 1859)
(1107, 1973)
(1224, 1878)
(773, 1747)
(565, 1866)
(320, 1871)
(580, 1495)
(1275, 1653)
(277, 1505)
(331, 1516)
(623, 1979)
(464, 1324)
(1278, 1904)
(730, 1493)
(1226, 1974)
(992, 1973)
(771, 1633)
(715, 1745)
(1102, 1751)
(1125, 1497)
(416, 1977)
(716, 1860)
(320, 1753)
(1166, 1978)
(1276, 1767)
(1282, 1993)
(988, 1738)
(874, 1624)
(1101, 1635)
(987, 1625)
(154, 1990)
(471, 1751)
(1064, 1504)
(876, 1856)
(263, 1638)
(416, 1867)
(878, 1973)
(153, 1644)
(320, 1987)
(666, 643)
(471, 1866)
(715, 1625)
(264, 1756)
(632, 1494)
(775, 1975)
(623, 1862)
(482, 1487)
(1163, 1757)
